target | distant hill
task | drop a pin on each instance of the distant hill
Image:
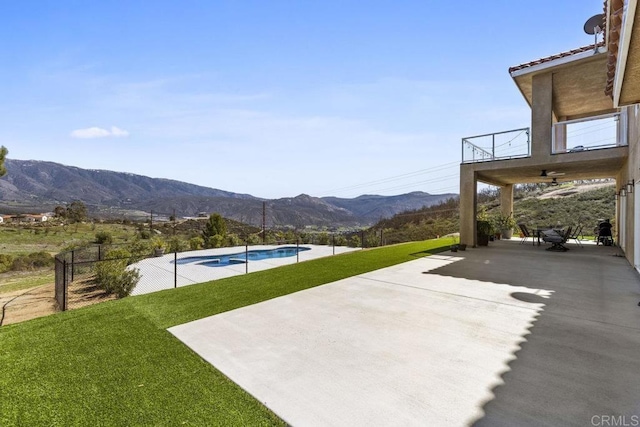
(374, 208)
(31, 180)
(32, 185)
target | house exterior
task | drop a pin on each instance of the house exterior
(585, 124)
(20, 218)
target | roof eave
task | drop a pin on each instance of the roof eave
(557, 62)
(623, 50)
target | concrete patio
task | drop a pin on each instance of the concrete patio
(503, 335)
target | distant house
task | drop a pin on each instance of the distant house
(17, 218)
(38, 218)
(32, 218)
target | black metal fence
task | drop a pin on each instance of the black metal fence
(76, 283)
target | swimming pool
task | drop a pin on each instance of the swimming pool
(242, 257)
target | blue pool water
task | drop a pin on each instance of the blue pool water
(241, 257)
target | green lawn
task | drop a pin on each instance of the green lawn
(115, 363)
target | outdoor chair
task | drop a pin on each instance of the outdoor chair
(576, 234)
(556, 239)
(526, 233)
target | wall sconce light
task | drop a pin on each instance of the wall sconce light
(623, 192)
(617, 196)
(630, 186)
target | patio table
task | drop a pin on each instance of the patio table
(539, 230)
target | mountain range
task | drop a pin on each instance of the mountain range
(32, 185)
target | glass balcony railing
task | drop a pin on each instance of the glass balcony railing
(509, 144)
(590, 133)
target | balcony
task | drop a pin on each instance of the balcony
(591, 133)
(511, 144)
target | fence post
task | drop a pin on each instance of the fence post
(64, 285)
(99, 252)
(380, 237)
(362, 239)
(72, 263)
(297, 250)
(334, 243)
(246, 257)
(175, 269)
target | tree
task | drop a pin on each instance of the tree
(215, 230)
(104, 238)
(60, 212)
(3, 156)
(77, 211)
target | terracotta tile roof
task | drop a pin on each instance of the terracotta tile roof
(615, 19)
(556, 56)
(572, 51)
(611, 38)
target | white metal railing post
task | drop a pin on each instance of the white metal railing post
(490, 153)
(493, 146)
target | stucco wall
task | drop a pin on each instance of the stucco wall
(632, 172)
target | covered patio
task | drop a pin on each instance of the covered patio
(507, 334)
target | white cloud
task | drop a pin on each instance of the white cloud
(96, 132)
(119, 133)
(93, 132)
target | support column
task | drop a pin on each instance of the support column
(506, 199)
(541, 115)
(468, 205)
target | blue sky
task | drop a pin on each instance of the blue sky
(272, 98)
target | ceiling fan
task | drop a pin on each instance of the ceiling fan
(550, 173)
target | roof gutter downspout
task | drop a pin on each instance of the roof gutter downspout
(623, 51)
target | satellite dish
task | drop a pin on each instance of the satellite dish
(595, 24)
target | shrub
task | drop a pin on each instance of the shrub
(215, 241)
(158, 243)
(253, 239)
(104, 238)
(341, 240)
(371, 239)
(6, 261)
(196, 243)
(233, 240)
(176, 244)
(306, 238)
(140, 248)
(323, 238)
(113, 276)
(32, 261)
